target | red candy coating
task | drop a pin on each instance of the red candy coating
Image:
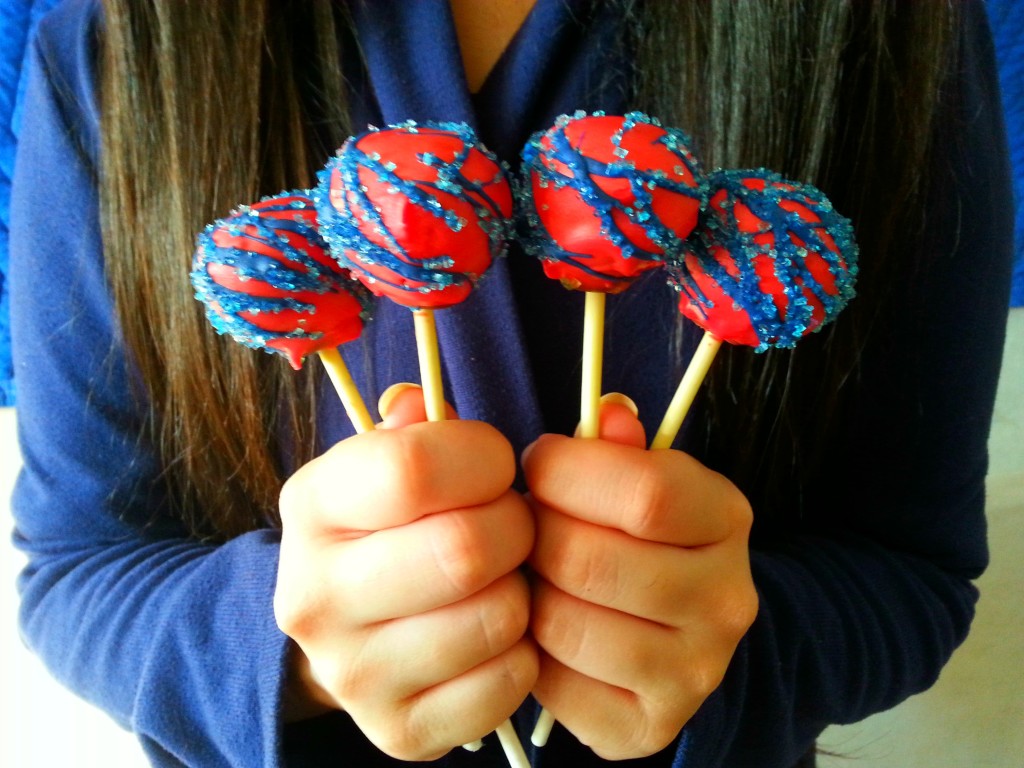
(417, 212)
(767, 277)
(607, 196)
(267, 279)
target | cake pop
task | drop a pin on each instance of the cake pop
(604, 198)
(771, 262)
(418, 212)
(266, 279)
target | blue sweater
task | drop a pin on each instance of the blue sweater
(18, 19)
(861, 602)
(1008, 30)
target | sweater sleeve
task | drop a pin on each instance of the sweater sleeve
(862, 606)
(174, 638)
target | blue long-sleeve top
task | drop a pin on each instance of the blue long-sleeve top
(1008, 32)
(862, 599)
(18, 19)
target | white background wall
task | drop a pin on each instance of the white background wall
(973, 718)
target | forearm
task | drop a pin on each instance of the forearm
(845, 629)
(175, 640)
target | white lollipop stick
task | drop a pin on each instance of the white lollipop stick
(347, 391)
(593, 361)
(430, 363)
(686, 391)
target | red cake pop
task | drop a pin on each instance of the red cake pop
(603, 199)
(771, 262)
(418, 212)
(607, 196)
(266, 279)
(775, 262)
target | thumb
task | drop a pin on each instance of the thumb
(402, 404)
(618, 421)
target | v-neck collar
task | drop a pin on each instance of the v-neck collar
(413, 60)
(414, 71)
(415, 68)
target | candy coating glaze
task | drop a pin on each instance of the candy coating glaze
(417, 212)
(267, 279)
(770, 262)
(605, 197)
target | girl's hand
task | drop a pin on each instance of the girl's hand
(643, 585)
(398, 581)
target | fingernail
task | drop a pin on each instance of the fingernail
(617, 398)
(526, 452)
(389, 395)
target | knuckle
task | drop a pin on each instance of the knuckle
(405, 466)
(738, 611)
(508, 622)
(401, 742)
(735, 610)
(294, 611)
(461, 555)
(563, 639)
(356, 684)
(705, 677)
(495, 445)
(649, 502)
(585, 573)
(656, 734)
(291, 500)
(289, 620)
(520, 523)
(518, 672)
(741, 513)
(361, 679)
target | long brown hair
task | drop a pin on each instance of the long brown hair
(202, 111)
(206, 105)
(841, 94)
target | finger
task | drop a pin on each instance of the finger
(610, 568)
(664, 496)
(612, 724)
(403, 404)
(424, 650)
(459, 710)
(609, 711)
(434, 561)
(387, 478)
(619, 422)
(612, 647)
